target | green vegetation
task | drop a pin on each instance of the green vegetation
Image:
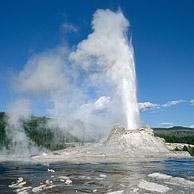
(189, 149)
(43, 136)
(3, 138)
(178, 149)
(38, 132)
(176, 134)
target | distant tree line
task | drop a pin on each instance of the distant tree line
(37, 131)
(176, 134)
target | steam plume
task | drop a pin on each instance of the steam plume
(108, 50)
(89, 89)
(18, 112)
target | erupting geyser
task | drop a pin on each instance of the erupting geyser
(108, 54)
(104, 61)
(109, 49)
(128, 91)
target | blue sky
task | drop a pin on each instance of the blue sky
(163, 37)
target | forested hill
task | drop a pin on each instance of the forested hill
(175, 128)
(176, 134)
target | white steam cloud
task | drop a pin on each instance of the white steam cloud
(17, 112)
(89, 90)
(107, 51)
(43, 73)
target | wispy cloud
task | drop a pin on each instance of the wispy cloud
(68, 27)
(167, 124)
(173, 103)
(144, 106)
(192, 102)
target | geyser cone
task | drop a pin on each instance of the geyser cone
(139, 142)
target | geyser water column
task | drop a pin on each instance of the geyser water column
(128, 90)
(109, 49)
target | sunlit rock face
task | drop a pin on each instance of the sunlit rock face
(138, 142)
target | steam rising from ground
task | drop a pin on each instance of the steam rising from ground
(18, 112)
(89, 89)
